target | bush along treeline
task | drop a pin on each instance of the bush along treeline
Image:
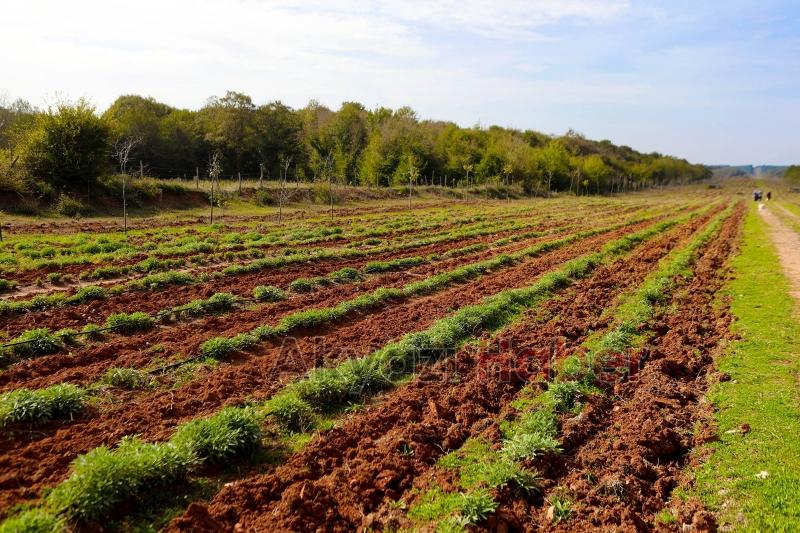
(66, 149)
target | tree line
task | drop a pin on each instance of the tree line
(69, 145)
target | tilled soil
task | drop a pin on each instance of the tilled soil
(25, 277)
(31, 461)
(151, 301)
(344, 479)
(636, 447)
(84, 365)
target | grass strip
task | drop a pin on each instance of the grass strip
(763, 393)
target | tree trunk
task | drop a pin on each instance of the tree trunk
(124, 205)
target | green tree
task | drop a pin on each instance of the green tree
(553, 163)
(228, 123)
(68, 146)
(596, 171)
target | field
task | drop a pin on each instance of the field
(504, 365)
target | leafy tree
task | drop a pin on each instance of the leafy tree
(552, 162)
(229, 124)
(596, 171)
(68, 146)
(277, 136)
(792, 174)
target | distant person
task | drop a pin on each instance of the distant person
(769, 195)
(757, 194)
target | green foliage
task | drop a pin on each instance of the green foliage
(68, 206)
(476, 506)
(126, 378)
(220, 347)
(375, 267)
(35, 342)
(33, 521)
(344, 275)
(42, 405)
(155, 281)
(291, 413)
(7, 285)
(92, 331)
(67, 146)
(130, 322)
(792, 174)
(562, 507)
(104, 478)
(217, 439)
(220, 301)
(303, 285)
(269, 293)
(563, 396)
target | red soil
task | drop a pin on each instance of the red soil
(31, 461)
(340, 480)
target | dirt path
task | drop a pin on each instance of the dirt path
(787, 242)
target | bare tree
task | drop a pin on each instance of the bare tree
(214, 170)
(122, 153)
(283, 192)
(326, 172)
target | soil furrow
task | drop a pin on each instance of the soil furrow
(152, 301)
(346, 474)
(636, 447)
(44, 461)
(83, 365)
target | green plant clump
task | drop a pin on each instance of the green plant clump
(130, 322)
(38, 406)
(269, 293)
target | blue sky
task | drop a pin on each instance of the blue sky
(710, 81)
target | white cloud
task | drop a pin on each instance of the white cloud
(184, 50)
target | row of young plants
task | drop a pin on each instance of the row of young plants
(253, 250)
(26, 256)
(42, 341)
(104, 478)
(220, 347)
(213, 251)
(481, 469)
(163, 279)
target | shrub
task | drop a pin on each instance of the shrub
(104, 478)
(84, 294)
(7, 285)
(126, 378)
(92, 331)
(232, 431)
(33, 521)
(36, 342)
(217, 347)
(303, 285)
(68, 206)
(221, 347)
(268, 293)
(291, 413)
(220, 301)
(476, 506)
(530, 445)
(39, 406)
(563, 396)
(344, 274)
(130, 322)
